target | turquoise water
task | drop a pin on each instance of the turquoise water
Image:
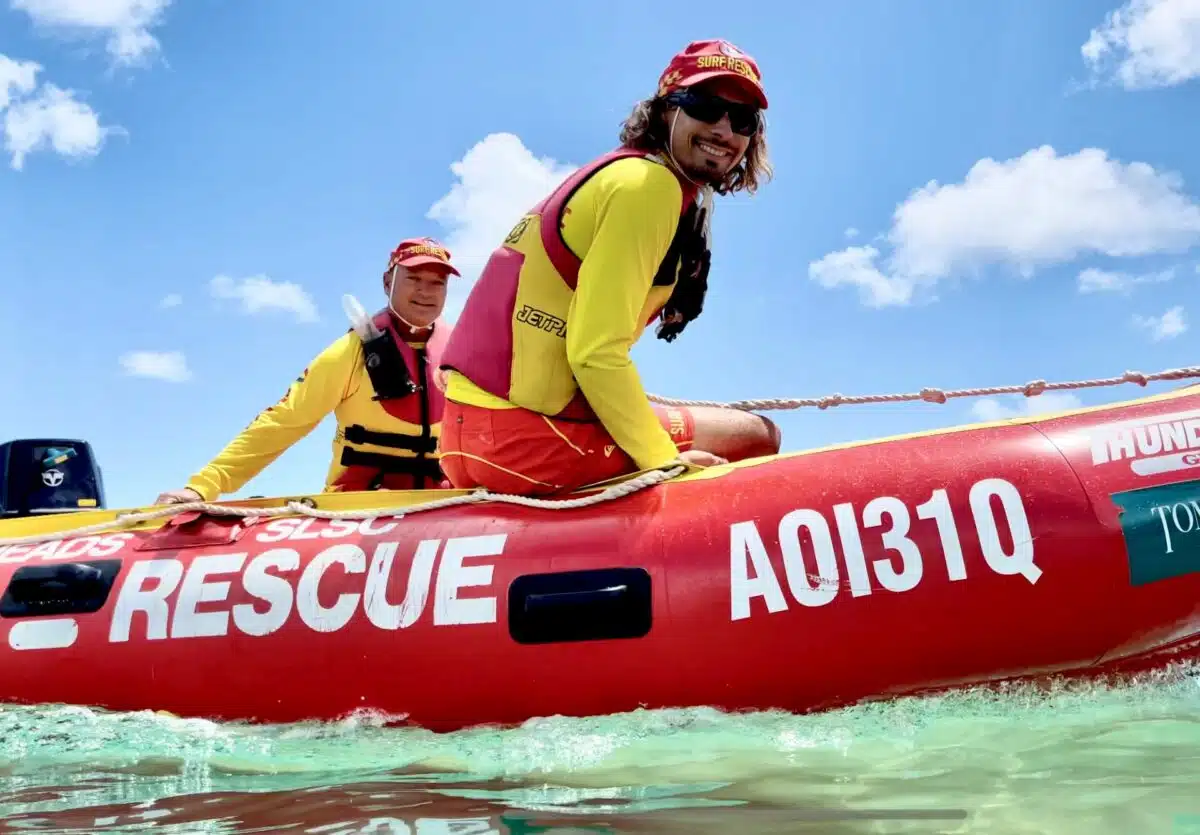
(1079, 758)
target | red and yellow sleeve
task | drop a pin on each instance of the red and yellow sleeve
(309, 399)
(633, 206)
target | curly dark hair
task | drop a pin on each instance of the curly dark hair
(645, 130)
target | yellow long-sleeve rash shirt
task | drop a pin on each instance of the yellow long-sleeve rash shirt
(308, 401)
(621, 222)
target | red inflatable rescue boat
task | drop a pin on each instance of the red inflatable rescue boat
(1060, 544)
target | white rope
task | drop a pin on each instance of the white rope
(307, 508)
(616, 491)
(933, 395)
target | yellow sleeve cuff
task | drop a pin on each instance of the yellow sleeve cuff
(208, 491)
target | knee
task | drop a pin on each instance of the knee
(736, 435)
(763, 436)
(774, 439)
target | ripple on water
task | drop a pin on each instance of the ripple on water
(1076, 758)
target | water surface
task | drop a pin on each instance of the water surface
(1078, 758)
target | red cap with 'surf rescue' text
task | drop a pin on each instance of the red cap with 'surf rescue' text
(702, 60)
(421, 252)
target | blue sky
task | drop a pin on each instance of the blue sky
(966, 194)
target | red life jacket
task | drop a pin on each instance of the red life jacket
(416, 412)
(566, 262)
(477, 356)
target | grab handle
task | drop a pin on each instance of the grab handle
(593, 605)
(70, 588)
(586, 597)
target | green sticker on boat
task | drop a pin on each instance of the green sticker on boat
(1161, 526)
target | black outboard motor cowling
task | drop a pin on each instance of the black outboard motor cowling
(48, 475)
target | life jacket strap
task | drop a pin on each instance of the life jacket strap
(392, 464)
(689, 251)
(358, 434)
(386, 368)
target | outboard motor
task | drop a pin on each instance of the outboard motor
(40, 476)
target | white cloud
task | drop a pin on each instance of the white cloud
(1147, 44)
(125, 23)
(855, 267)
(170, 366)
(851, 232)
(172, 300)
(259, 294)
(1168, 326)
(994, 408)
(17, 79)
(1093, 280)
(44, 118)
(53, 119)
(497, 181)
(1035, 210)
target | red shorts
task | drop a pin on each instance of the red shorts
(526, 453)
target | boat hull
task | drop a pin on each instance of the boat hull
(1065, 544)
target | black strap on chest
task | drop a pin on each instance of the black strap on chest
(422, 470)
(359, 436)
(391, 380)
(690, 253)
(385, 365)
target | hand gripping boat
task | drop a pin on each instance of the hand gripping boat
(1062, 544)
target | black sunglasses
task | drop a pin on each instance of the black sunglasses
(707, 108)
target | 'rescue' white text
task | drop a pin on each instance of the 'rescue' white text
(278, 588)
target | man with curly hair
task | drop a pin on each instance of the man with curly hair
(541, 394)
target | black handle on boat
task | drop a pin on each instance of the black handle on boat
(573, 598)
(49, 582)
(65, 588)
(595, 604)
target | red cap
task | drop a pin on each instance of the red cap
(702, 60)
(421, 252)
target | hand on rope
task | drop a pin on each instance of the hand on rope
(933, 395)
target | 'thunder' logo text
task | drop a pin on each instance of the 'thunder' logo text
(1166, 444)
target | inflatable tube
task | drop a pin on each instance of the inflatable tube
(1058, 544)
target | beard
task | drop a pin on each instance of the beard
(705, 173)
(708, 176)
(702, 168)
